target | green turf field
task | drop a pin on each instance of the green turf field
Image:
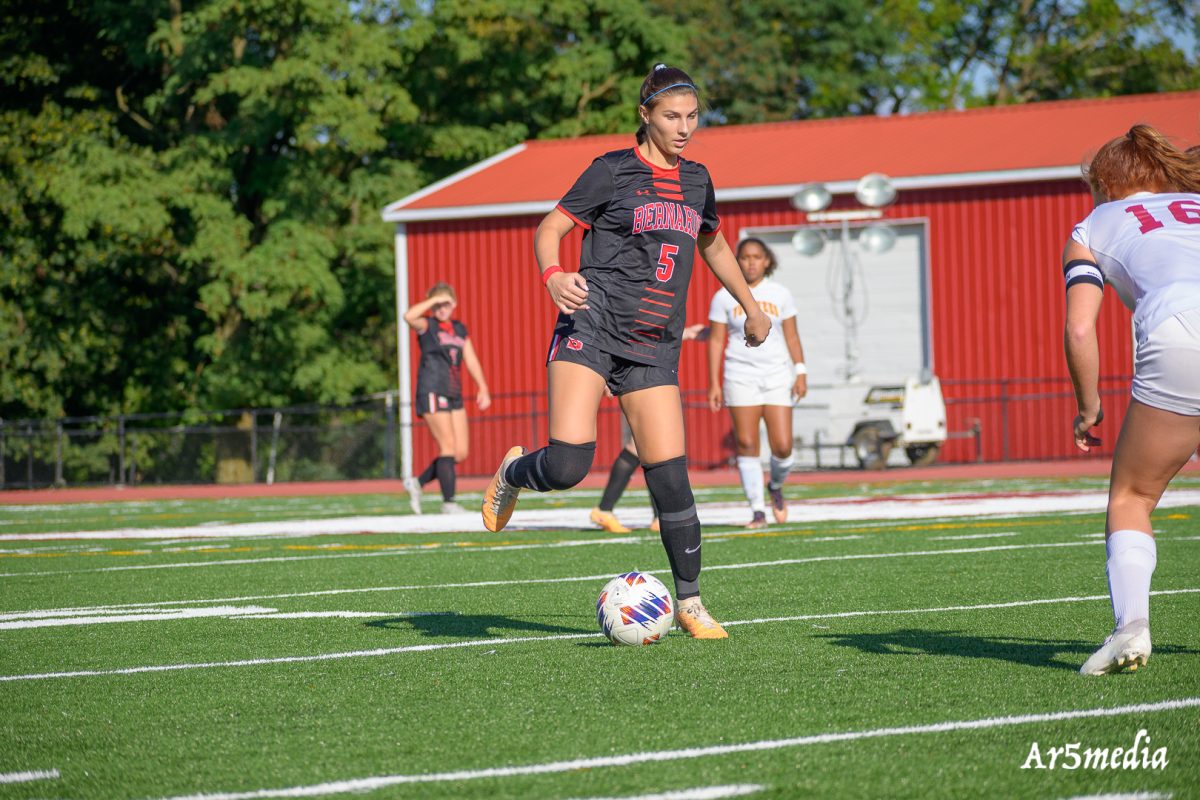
(882, 658)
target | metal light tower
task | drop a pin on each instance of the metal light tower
(875, 191)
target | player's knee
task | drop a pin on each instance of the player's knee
(567, 464)
(669, 485)
(460, 455)
(747, 444)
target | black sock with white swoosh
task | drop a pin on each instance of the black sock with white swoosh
(679, 526)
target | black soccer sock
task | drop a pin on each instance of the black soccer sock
(446, 476)
(618, 479)
(679, 527)
(429, 474)
(559, 465)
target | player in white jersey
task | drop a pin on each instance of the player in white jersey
(1143, 238)
(760, 383)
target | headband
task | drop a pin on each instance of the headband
(672, 86)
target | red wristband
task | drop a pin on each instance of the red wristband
(550, 271)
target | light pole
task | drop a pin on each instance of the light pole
(875, 191)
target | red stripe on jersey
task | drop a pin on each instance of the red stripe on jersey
(653, 313)
(656, 302)
(651, 324)
(574, 218)
(713, 232)
(667, 196)
(670, 186)
(660, 291)
(654, 335)
(671, 173)
(650, 345)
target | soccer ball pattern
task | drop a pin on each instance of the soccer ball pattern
(634, 609)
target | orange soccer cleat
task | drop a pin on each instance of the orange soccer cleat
(501, 498)
(693, 618)
(607, 520)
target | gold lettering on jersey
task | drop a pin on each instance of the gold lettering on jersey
(658, 216)
(770, 309)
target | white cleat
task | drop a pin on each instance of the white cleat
(451, 507)
(414, 494)
(1128, 646)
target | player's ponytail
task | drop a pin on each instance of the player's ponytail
(663, 81)
(1141, 160)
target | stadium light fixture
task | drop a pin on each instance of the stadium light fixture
(879, 237)
(875, 190)
(812, 197)
(846, 281)
(808, 241)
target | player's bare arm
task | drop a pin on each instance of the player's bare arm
(483, 397)
(719, 332)
(568, 290)
(1082, 349)
(415, 315)
(720, 260)
(796, 350)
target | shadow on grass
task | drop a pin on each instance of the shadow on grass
(473, 626)
(1053, 653)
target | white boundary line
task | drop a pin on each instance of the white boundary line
(699, 793)
(25, 777)
(532, 581)
(628, 759)
(527, 581)
(494, 642)
(408, 551)
(835, 509)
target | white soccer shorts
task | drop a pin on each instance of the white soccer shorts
(1166, 373)
(766, 390)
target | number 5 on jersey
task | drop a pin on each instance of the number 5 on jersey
(666, 261)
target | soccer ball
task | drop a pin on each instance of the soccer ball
(634, 608)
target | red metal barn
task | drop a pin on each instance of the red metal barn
(973, 291)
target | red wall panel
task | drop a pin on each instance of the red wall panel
(996, 315)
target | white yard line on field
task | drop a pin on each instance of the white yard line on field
(973, 536)
(25, 777)
(145, 616)
(496, 641)
(823, 510)
(574, 579)
(532, 581)
(406, 552)
(1123, 796)
(699, 793)
(657, 756)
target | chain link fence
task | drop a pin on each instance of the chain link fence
(296, 443)
(998, 420)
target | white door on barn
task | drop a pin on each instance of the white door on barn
(889, 337)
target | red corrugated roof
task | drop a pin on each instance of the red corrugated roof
(983, 140)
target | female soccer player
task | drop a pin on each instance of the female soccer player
(1143, 238)
(445, 347)
(645, 210)
(760, 384)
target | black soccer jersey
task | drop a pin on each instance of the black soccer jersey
(641, 226)
(440, 369)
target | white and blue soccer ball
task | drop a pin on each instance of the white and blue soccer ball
(634, 609)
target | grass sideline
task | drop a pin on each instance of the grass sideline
(892, 658)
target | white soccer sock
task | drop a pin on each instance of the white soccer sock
(751, 471)
(1132, 556)
(780, 467)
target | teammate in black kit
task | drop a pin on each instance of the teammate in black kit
(645, 210)
(445, 347)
